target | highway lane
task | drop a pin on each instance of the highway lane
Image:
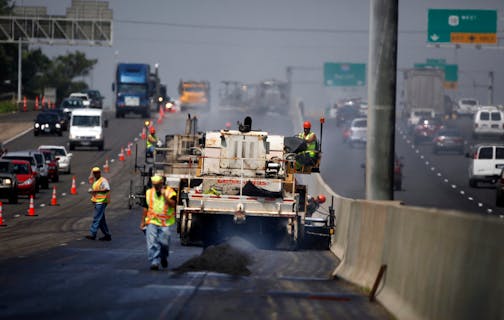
(50, 271)
(430, 180)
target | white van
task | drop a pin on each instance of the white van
(487, 161)
(87, 128)
(488, 121)
(467, 106)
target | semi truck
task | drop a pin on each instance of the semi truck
(194, 95)
(132, 89)
(237, 182)
(423, 93)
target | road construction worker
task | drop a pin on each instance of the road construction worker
(100, 197)
(313, 203)
(308, 156)
(157, 219)
(151, 142)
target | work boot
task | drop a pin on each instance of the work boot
(154, 267)
(164, 263)
(106, 237)
(90, 237)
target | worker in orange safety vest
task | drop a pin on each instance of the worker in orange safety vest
(157, 219)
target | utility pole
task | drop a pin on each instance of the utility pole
(20, 68)
(382, 72)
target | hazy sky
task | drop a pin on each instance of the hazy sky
(248, 45)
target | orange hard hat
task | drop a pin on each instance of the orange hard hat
(307, 125)
(321, 198)
(152, 130)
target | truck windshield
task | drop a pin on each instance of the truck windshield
(132, 88)
(86, 121)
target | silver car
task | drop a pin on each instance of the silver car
(357, 132)
(64, 158)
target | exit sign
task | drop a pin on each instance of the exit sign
(462, 26)
(344, 74)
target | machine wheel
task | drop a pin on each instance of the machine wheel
(293, 237)
(130, 199)
(499, 200)
(184, 230)
(473, 183)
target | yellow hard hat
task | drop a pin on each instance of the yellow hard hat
(95, 169)
(156, 179)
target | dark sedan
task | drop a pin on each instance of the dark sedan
(8, 182)
(448, 140)
(47, 123)
(64, 118)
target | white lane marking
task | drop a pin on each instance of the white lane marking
(445, 180)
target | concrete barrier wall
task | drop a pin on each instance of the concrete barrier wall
(440, 264)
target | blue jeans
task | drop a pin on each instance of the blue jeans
(158, 243)
(99, 220)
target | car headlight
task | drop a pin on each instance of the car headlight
(37, 125)
(7, 181)
(98, 136)
(26, 182)
(58, 125)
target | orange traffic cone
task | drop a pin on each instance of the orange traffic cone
(1, 216)
(25, 106)
(106, 167)
(31, 210)
(121, 155)
(54, 201)
(144, 134)
(73, 190)
(128, 151)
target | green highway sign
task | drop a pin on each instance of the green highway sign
(344, 74)
(462, 26)
(450, 70)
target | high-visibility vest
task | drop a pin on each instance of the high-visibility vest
(150, 144)
(158, 212)
(102, 195)
(311, 147)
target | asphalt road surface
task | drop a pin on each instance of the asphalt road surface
(49, 271)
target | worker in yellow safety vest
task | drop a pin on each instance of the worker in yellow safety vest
(151, 142)
(100, 197)
(157, 219)
(308, 156)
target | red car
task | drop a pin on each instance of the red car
(426, 129)
(52, 164)
(26, 177)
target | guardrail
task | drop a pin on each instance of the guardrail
(435, 264)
